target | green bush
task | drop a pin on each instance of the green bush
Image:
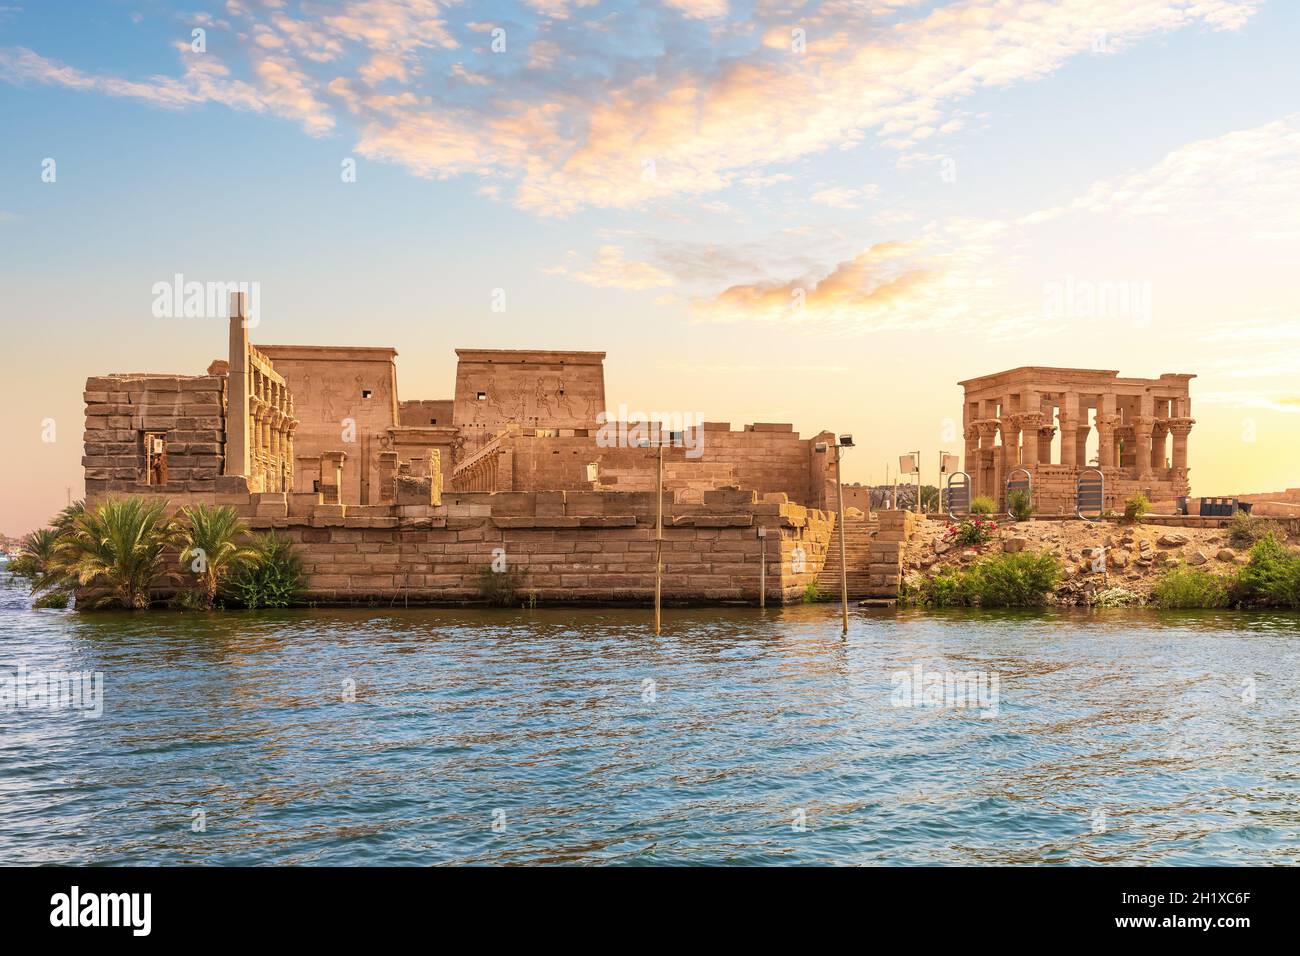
(810, 594)
(944, 590)
(1020, 504)
(1184, 587)
(1136, 508)
(53, 599)
(983, 505)
(501, 588)
(272, 577)
(1021, 579)
(1245, 530)
(1272, 575)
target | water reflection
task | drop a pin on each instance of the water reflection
(369, 736)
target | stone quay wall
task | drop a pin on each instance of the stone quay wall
(574, 547)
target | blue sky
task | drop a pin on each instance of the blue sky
(662, 182)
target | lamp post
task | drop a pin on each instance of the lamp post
(845, 441)
(660, 445)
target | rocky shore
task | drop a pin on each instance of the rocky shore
(1101, 562)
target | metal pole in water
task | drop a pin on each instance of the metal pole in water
(659, 532)
(844, 568)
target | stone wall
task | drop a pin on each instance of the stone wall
(767, 458)
(571, 546)
(188, 411)
(345, 400)
(564, 391)
(424, 412)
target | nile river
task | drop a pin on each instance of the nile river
(372, 736)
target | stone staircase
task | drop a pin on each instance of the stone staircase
(857, 552)
(874, 555)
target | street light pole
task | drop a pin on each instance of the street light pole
(844, 568)
(659, 532)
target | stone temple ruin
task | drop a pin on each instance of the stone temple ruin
(412, 498)
(1054, 423)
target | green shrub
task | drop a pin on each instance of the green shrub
(1020, 504)
(1184, 587)
(53, 599)
(1245, 530)
(272, 577)
(1021, 579)
(810, 594)
(944, 590)
(983, 505)
(501, 588)
(1272, 575)
(1136, 508)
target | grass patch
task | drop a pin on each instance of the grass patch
(983, 505)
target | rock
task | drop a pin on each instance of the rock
(1012, 545)
(1144, 545)
(1120, 558)
(969, 555)
(1197, 557)
(1227, 554)
(1173, 539)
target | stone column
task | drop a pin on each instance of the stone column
(331, 477)
(971, 460)
(1158, 432)
(1081, 446)
(1045, 436)
(1031, 423)
(237, 397)
(1142, 427)
(1181, 428)
(1106, 440)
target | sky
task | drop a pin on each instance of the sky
(824, 214)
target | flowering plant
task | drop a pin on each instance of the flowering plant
(974, 531)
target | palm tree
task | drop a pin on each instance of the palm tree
(37, 560)
(65, 519)
(212, 544)
(121, 544)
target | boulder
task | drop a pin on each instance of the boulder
(1120, 558)
(1173, 539)
(1013, 545)
(1197, 557)
(1227, 554)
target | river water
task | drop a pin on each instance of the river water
(367, 736)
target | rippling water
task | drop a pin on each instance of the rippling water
(1120, 737)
